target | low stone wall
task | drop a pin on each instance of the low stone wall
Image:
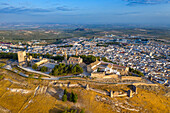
(103, 75)
(117, 94)
(98, 74)
(130, 78)
(111, 76)
(111, 93)
(73, 85)
(67, 85)
(137, 84)
(99, 91)
(121, 95)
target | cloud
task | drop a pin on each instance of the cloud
(146, 2)
(19, 10)
(127, 13)
(63, 8)
(5, 4)
(22, 10)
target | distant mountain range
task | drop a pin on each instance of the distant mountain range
(77, 27)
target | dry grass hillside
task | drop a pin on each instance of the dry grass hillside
(48, 98)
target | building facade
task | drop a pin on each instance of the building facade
(74, 60)
(21, 57)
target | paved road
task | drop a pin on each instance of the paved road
(8, 67)
(33, 71)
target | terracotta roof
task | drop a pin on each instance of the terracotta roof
(123, 67)
(109, 65)
(94, 63)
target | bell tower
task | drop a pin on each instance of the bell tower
(76, 52)
(65, 56)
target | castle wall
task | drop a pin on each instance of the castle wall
(131, 78)
(111, 76)
(98, 74)
(42, 62)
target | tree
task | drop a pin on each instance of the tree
(88, 59)
(64, 98)
(9, 55)
(68, 111)
(104, 59)
(136, 71)
(63, 69)
(73, 111)
(40, 76)
(75, 98)
(65, 92)
(47, 55)
(61, 65)
(2, 64)
(98, 70)
(31, 75)
(82, 111)
(74, 70)
(1, 77)
(44, 69)
(35, 67)
(70, 68)
(71, 97)
(77, 69)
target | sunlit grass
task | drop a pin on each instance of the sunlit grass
(40, 104)
(13, 101)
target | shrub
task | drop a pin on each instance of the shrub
(35, 67)
(77, 69)
(136, 72)
(82, 111)
(44, 69)
(63, 69)
(64, 98)
(31, 75)
(40, 76)
(65, 92)
(70, 111)
(1, 77)
(73, 97)
(2, 64)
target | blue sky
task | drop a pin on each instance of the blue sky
(86, 11)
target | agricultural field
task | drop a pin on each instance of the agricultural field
(52, 35)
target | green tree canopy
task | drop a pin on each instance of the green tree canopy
(82, 111)
(44, 69)
(77, 69)
(35, 67)
(73, 97)
(64, 98)
(31, 75)
(65, 91)
(63, 69)
(1, 77)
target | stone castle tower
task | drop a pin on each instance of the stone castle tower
(65, 56)
(21, 57)
(76, 52)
